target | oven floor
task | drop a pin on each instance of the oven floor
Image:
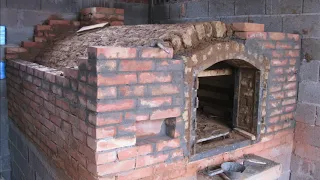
(210, 126)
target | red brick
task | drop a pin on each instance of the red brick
(156, 53)
(291, 85)
(116, 79)
(104, 145)
(274, 119)
(275, 88)
(71, 73)
(136, 116)
(267, 45)
(291, 70)
(277, 62)
(40, 39)
(105, 132)
(106, 157)
(282, 45)
(144, 149)
(275, 104)
(127, 153)
(155, 102)
(162, 114)
(288, 101)
(289, 108)
(112, 52)
(291, 93)
(276, 54)
(154, 77)
(170, 144)
(277, 95)
(131, 90)
(116, 167)
(294, 37)
(164, 89)
(278, 70)
(104, 10)
(12, 56)
(251, 35)
(291, 78)
(78, 134)
(105, 119)
(43, 27)
(126, 129)
(276, 36)
(287, 117)
(293, 62)
(136, 174)
(62, 104)
(292, 53)
(149, 159)
(135, 65)
(247, 27)
(56, 120)
(115, 105)
(148, 128)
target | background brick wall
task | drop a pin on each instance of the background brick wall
(306, 157)
(290, 16)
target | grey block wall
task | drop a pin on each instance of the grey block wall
(305, 162)
(291, 16)
(20, 16)
(5, 168)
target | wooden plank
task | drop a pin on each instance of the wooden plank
(92, 27)
(245, 133)
(216, 72)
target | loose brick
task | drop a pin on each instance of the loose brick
(162, 114)
(116, 79)
(115, 167)
(155, 102)
(247, 27)
(111, 52)
(115, 105)
(135, 65)
(165, 145)
(149, 159)
(155, 77)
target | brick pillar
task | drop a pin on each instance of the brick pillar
(138, 96)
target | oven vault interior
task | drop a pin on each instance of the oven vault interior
(226, 101)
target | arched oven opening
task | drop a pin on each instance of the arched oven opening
(226, 97)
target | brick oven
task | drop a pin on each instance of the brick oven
(110, 104)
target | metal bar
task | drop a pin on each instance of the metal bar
(245, 133)
(216, 72)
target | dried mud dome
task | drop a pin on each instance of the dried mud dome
(67, 50)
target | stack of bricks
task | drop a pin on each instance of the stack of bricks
(43, 35)
(96, 15)
(283, 50)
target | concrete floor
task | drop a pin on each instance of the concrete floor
(4, 129)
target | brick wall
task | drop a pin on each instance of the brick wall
(306, 159)
(290, 16)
